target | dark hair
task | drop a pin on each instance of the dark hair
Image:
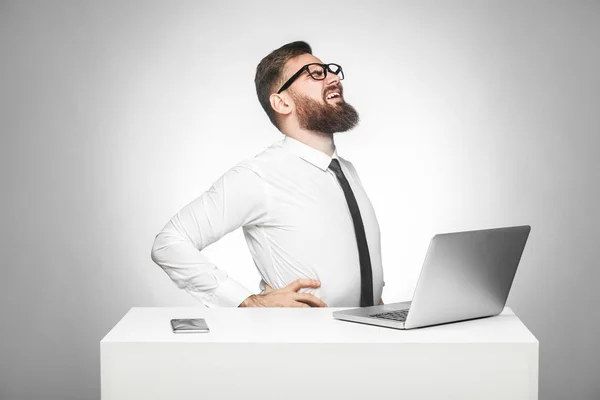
(269, 74)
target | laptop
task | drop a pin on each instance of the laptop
(466, 275)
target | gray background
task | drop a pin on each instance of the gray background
(114, 116)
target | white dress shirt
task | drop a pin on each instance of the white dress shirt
(296, 222)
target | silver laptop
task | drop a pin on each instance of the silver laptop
(466, 275)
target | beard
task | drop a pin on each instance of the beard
(324, 118)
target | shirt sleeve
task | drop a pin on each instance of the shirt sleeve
(238, 198)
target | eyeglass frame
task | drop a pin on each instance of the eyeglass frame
(326, 67)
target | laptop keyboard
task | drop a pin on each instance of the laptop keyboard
(399, 315)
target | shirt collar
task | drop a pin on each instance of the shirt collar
(309, 154)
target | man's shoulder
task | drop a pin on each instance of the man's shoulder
(271, 157)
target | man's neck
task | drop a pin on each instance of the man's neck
(315, 140)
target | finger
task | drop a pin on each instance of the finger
(300, 283)
(310, 299)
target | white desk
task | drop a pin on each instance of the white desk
(304, 353)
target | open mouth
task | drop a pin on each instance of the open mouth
(333, 95)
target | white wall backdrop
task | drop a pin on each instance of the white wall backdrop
(115, 115)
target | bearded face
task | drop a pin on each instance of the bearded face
(327, 117)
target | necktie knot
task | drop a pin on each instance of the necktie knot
(335, 165)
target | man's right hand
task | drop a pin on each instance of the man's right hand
(287, 296)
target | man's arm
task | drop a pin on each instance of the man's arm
(236, 199)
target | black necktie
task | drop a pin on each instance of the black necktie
(366, 275)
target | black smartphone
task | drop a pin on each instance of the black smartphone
(189, 325)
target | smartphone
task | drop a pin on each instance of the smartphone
(189, 325)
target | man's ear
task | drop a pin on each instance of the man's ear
(280, 104)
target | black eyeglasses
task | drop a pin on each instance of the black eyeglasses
(316, 71)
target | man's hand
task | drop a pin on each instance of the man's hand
(286, 297)
(269, 289)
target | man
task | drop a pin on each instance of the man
(308, 222)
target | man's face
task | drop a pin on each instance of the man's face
(310, 102)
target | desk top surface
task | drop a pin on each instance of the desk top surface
(303, 325)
